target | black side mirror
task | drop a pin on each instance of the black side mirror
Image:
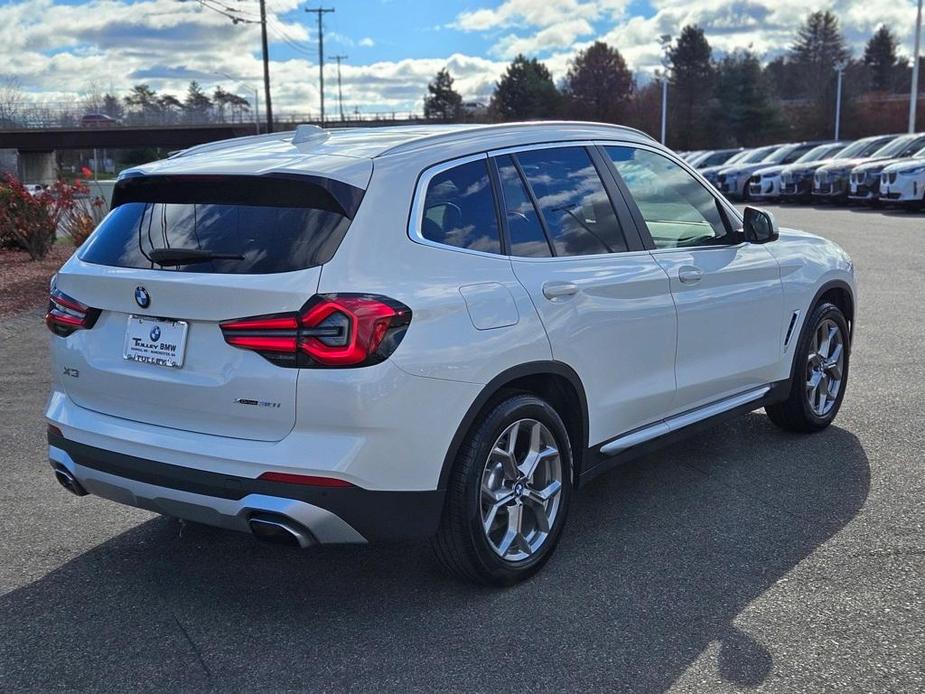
(759, 226)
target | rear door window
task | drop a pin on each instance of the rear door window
(528, 240)
(573, 201)
(260, 224)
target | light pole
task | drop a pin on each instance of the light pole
(840, 69)
(251, 88)
(665, 43)
(914, 93)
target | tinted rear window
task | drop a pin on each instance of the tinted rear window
(277, 225)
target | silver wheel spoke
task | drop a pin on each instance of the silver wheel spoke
(534, 458)
(545, 494)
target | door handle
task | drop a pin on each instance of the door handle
(559, 290)
(690, 274)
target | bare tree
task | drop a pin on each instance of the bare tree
(12, 99)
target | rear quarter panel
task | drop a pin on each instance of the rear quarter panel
(443, 340)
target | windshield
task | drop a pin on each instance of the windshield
(821, 152)
(863, 148)
(252, 225)
(900, 147)
(738, 156)
(779, 156)
(757, 155)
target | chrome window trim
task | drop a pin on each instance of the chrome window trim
(416, 218)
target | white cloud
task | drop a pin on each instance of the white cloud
(366, 42)
(560, 35)
(536, 13)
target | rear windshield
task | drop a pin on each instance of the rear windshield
(260, 225)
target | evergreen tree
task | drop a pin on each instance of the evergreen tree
(525, 91)
(882, 61)
(442, 101)
(744, 108)
(818, 49)
(141, 98)
(197, 103)
(112, 107)
(598, 85)
(690, 82)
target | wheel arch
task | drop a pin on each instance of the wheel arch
(837, 292)
(553, 381)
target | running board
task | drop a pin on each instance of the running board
(683, 420)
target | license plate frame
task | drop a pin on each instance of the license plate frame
(155, 341)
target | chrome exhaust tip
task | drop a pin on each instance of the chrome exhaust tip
(67, 480)
(279, 530)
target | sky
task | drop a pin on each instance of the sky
(57, 50)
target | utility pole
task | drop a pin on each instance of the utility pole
(914, 93)
(266, 64)
(840, 69)
(319, 13)
(340, 94)
(664, 42)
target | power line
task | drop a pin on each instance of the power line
(320, 12)
(280, 31)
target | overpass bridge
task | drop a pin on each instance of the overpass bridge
(34, 147)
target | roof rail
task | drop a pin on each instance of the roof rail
(500, 127)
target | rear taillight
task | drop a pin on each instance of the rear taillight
(65, 314)
(331, 330)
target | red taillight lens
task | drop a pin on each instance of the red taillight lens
(308, 480)
(66, 314)
(331, 330)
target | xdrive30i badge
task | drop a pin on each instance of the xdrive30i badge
(142, 298)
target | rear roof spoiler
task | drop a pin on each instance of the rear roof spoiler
(265, 190)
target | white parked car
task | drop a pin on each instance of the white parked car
(903, 183)
(766, 183)
(371, 334)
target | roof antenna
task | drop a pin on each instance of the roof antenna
(308, 133)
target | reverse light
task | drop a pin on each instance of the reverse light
(331, 330)
(66, 314)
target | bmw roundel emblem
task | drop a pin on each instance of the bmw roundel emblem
(155, 334)
(142, 298)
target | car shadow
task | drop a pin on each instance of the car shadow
(657, 561)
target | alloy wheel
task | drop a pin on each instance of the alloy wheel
(521, 490)
(825, 366)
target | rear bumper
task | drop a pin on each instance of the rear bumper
(331, 515)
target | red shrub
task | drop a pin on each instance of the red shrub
(30, 221)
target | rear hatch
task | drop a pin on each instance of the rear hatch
(239, 246)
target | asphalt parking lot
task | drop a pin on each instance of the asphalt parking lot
(743, 558)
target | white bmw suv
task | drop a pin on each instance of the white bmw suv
(359, 335)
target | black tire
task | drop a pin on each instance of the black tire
(461, 544)
(795, 413)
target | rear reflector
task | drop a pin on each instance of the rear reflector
(307, 480)
(66, 314)
(331, 330)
